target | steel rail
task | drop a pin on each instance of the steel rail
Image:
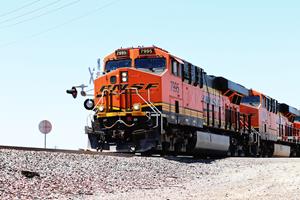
(80, 151)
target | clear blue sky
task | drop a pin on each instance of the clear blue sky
(255, 43)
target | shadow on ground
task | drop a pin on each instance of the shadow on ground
(191, 160)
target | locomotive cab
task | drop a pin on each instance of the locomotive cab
(289, 130)
(127, 96)
(252, 105)
(297, 128)
(264, 111)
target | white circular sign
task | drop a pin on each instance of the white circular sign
(45, 126)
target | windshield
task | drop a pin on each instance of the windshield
(152, 64)
(252, 100)
(297, 119)
(115, 64)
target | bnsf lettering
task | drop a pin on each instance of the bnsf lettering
(151, 85)
(139, 86)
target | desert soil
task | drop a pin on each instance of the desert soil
(77, 176)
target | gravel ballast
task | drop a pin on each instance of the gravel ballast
(46, 175)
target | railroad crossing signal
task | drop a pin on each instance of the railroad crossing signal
(91, 75)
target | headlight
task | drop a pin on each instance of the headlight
(124, 77)
(89, 104)
(132, 149)
(101, 108)
(136, 107)
(124, 74)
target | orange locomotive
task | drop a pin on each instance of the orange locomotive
(149, 100)
(275, 123)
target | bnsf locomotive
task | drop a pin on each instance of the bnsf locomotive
(148, 100)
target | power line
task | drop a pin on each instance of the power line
(41, 15)
(91, 12)
(30, 12)
(20, 8)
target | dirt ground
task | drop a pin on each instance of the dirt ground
(248, 178)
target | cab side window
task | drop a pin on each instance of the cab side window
(179, 69)
(264, 101)
(176, 68)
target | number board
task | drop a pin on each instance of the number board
(122, 53)
(147, 51)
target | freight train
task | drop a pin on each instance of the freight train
(148, 100)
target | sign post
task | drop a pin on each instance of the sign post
(45, 127)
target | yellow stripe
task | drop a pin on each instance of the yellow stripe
(165, 107)
(121, 114)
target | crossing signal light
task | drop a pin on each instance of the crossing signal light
(73, 92)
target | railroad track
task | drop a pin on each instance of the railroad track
(88, 152)
(81, 151)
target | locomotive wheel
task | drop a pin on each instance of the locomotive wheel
(165, 148)
(147, 153)
(177, 148)
(293, 153)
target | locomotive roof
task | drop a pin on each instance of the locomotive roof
(284, 108)
(224, 84)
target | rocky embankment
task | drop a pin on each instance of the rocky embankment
(46, 175)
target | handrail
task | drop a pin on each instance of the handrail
(149, 103)
(89, 117)
(257, 135)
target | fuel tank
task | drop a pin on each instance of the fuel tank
(209, 143)
(281, 150)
